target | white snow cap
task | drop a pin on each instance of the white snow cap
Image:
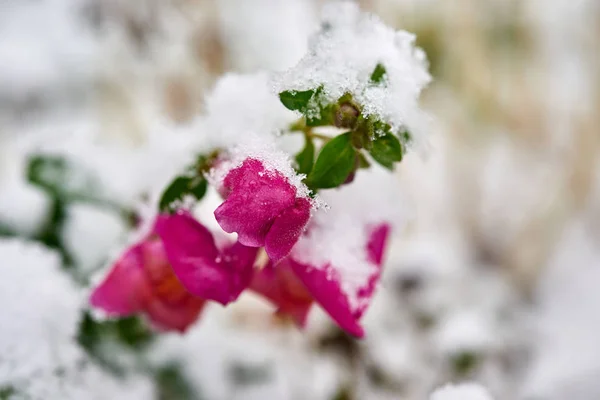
(345, 52)
(463, 391)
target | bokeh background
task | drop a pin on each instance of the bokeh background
(495, 278)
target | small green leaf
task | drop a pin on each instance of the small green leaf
(306, 157)
(296, 100)
(335, 162)
(325, 116)
(7, 392)
(362, 161)
(387, 150)
(180, 187)
(174, 192)
(378, 74)
(61, 177)
(198, 187)
(172, 384)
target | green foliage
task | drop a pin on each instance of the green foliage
(296, 100)
(464, 362)
(7, 392)
(171, 384)
(180, 187)
(334, 164)
(95, 336)
(386, 150)
(306, 158)
(378, 74)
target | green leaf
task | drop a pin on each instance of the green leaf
(306, 157)
(296, 100)
(7, 392)
(335, 162)
(174, 193)
(325, 116)
(181, 186)
(61, 177)
(172, 384)
(363, 163)
(386, 150)
(47, 172)
(378, 74)
(198, 187)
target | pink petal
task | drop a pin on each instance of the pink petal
(281, 286)
(375, 249)
(194, 257)
(240, 260)
(166, 317)
(324, 286)
(125, 290)
(377, 241)
(286, 230)
(256, 198)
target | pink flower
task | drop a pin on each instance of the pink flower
(169, 277)
(205, 270)
(293, 286)
(325, 283)
(281, 286)
(263, 208)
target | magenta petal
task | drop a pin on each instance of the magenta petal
(195, 259)
(125, 290)
(377, 242)
(323, 284)
(166, 317)
(282, 287)
(286, 230)
(256, 198)
(240, 260)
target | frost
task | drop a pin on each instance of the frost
(464, 391)
(343, 56)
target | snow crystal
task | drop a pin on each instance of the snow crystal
(340, 234)
(464, 391)
(344, 54)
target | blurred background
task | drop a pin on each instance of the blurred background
(495, 278)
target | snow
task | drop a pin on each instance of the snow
(265, 34)
(41, 309)
(464, 391)
(343, 55)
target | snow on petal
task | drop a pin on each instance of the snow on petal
(339, 258)
(324, 285)
(263, 207)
